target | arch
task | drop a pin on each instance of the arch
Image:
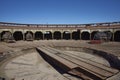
(48, 35)
(109, 35)
(38, 35)
(76, 35)
(57, 35)
(18, 35)
(93, 34)
(6, 35)
(85, 35)
(66, 35)
(28, 35)
(117, 36)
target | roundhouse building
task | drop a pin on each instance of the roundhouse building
(58, 31)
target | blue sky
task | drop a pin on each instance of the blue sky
(59, 11)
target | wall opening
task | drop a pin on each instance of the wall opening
(6, 35)
(28, 35)
(57, 35)
(93, 34)
(76, 35)
(117, 36)
(38, 35)
(47, 35)
(66, 35)
(18, 35)
(109, 35)
(85, 35)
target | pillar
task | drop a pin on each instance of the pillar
(113, 35)
(90, 35)
(80, 35)
(23, 36)
(23, 33)
(33, 36)
(12, 34)
(52, 35)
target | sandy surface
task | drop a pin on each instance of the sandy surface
(111, 47)
(32, 67)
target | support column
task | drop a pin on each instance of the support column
(113, 36)
(23, 33)
(90, 35)
(33, 36)
(52, 35)
(80, 36)
(12, 35)
(23, 36)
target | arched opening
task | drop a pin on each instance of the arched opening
(93, 34)
(18, 35)
(47, 35)
(76, 35)
(6, 35)
(57, 35)
(85, 35)
(109, 35)
(66, 35)
(117, 36)
(28, 35)
(38, 35)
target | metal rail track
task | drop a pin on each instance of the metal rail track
(78, 66)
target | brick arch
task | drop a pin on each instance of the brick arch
(85, 35)
(6, 35)
(76, 35)
(47, 35)
(29, 35)
(57, 35)
(66, 35)
(38, 35)
(18, 35)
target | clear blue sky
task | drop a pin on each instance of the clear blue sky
(59, 11)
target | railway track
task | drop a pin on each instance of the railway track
(75, 65)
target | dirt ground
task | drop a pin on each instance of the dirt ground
(110, 47)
